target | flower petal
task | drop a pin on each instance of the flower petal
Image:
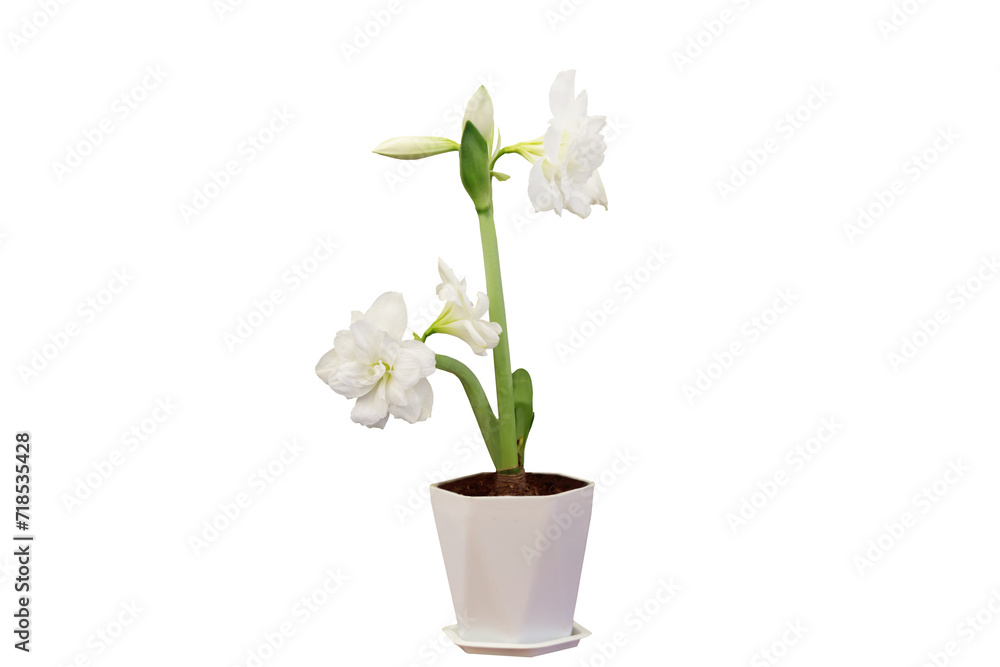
(482, 306)
(578, 205)
(561, 94)
(579, 107)
(368, 341)
(552, 143)
(451, 288)
(540, 192)
(327, 363)
(478, 334)
(419, 401)
(353, 379)
(596, 188)
(417, 353)
(389, 314)
(372, 409)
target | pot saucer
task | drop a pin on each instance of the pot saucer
(522, 650)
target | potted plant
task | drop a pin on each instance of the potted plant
(513, 542)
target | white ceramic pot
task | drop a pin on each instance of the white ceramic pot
(513, 562)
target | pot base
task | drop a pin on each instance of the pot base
(522, 650)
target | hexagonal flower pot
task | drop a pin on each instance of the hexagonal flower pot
(513, 565)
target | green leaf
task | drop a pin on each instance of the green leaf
(499, 176)
(474, 159)
(415, 148)
(524, 414)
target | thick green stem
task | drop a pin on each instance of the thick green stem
(501, 353)
(477, 398)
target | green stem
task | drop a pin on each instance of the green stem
(518, 148)
(477, 398)
(508, 459)
(502, 151)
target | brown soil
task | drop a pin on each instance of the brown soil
(536, 484)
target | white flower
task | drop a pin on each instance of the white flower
(462, 319)
(565, 176)
(370, 363)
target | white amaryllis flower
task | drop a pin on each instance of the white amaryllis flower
(462, 319)
(565, 175)
(371, 363)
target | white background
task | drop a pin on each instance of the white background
(684, 465)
